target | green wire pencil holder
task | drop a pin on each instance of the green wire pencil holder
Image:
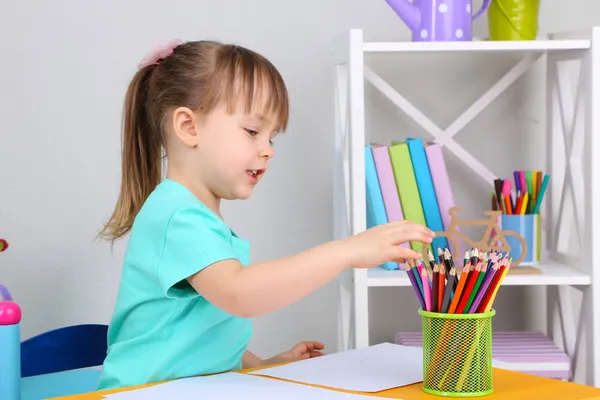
(457, 353)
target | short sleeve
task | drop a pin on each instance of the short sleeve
(194, 239)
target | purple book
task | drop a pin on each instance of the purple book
(441, 184)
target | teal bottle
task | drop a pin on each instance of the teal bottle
(10, 350)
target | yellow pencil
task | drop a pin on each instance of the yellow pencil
(524, 203)
(533, 188)
(489, 306)
(470, 355)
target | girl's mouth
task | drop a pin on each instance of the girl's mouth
(255, 174)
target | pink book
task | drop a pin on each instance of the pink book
(441, 182)
(391, 201)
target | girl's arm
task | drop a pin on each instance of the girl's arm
(250, 360)
(264, 287)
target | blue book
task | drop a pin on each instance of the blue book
(429, 202)
(376, 214)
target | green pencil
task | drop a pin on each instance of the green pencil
(540, 197)
(476, 287)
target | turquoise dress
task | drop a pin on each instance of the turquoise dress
(162, 328)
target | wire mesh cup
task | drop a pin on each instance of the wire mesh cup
(457, 353)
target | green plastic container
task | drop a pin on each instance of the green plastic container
(513, 19)
(457, 354)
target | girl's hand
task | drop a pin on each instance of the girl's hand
(301, 351)
(381, 243)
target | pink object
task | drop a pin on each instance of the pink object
(507, 187)
(10, 313)
(441, 185)
(385, 174)
(160, 52)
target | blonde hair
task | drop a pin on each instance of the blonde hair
(199, 75)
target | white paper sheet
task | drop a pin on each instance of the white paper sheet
(370, 369)
(233, 385)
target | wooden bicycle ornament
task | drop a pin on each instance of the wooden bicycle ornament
(494, 238)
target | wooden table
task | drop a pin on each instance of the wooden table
(508, 385)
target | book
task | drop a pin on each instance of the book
(376, 214)
(406, 184)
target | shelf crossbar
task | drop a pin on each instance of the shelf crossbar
(445, 137)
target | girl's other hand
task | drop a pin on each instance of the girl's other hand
(301, 351)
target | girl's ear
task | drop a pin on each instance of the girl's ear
(184, 126)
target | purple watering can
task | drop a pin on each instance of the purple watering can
(438, 20)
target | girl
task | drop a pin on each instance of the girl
(187, 292)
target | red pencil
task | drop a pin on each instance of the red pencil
(492, 287)
(464, 298)
(442, 285)
(518, 205)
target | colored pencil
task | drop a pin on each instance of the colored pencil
(440, 254)
(492, 289)
(426, 289)
(504, 272)
(429, 272)
(449, 261)
(415, 271)
(472, 289)
(485, 284)
(449, 290)
(464, 298)
(519, 203)
(434, 288)
(475, 290)
(469, 357)
(441, 286)
(459, 288)
(523, 181)
(431, 261)
(414, 284)
(498, 190)
(530, 187)
(474, 256)
(507, 205)
(540, 178)
(525, 203)
(543, 188)
(533, 188)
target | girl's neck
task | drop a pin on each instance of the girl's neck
(201, 192)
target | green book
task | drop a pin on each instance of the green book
(408, 191)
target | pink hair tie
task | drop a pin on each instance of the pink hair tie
(159, 52)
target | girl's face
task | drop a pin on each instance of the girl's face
(224, 154)
(234, 151)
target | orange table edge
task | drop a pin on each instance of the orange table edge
(507, 385)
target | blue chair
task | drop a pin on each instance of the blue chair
(63, 349)
(52, 362)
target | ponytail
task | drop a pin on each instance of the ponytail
(141, 157)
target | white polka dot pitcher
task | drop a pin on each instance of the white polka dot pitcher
(438, 20)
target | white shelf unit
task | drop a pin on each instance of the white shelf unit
(573, 129)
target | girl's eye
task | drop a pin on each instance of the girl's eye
(251, 132)
(271, 142)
